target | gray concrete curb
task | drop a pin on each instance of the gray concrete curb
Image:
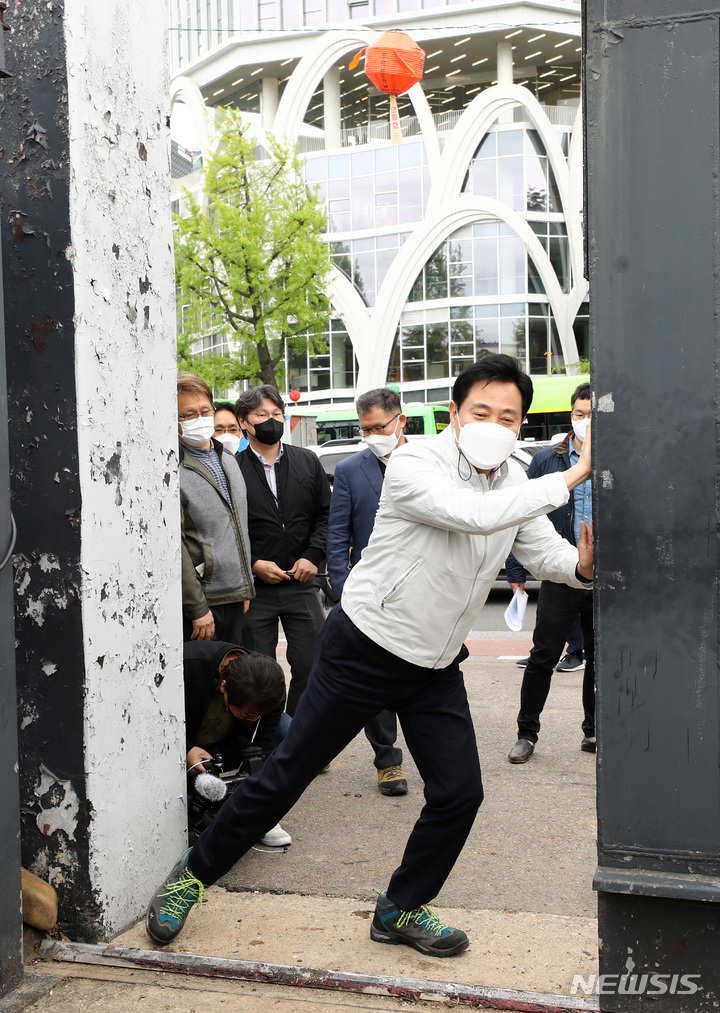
(284, 974)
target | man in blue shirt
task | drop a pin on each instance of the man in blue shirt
(558, 604)
(356, 495)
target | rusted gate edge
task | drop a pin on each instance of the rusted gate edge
(306, 977)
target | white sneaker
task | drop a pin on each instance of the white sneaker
(276, 838)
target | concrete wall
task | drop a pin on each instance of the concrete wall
(90, 315)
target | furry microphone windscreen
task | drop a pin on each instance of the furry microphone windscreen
(210, 787)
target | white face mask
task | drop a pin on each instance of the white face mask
(231, 441)
(486, 444)
(381, 446)
(198, 431)
(580, 428)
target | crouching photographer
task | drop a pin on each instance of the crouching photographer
(234, 718)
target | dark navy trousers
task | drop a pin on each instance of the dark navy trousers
(352, 680)
(381, 733)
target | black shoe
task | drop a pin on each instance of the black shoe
(523, 662)
(570, 663)
(420, 928)
(589, 744)
(171, 905)
(521, 751)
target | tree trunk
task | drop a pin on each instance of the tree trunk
(267, 367)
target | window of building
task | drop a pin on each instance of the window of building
(438, 342)
(512, 166)
(581, 327)
(218, 21)
(267, 14)
(312, 12)
(334, 367)
(387, 186)
(553, 236)
(358, 10)
(366, 261)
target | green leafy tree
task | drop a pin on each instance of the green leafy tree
(250, 261)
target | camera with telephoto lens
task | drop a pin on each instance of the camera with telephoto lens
(202, 809)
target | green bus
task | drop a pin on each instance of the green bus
(343, 424)
(549, 412)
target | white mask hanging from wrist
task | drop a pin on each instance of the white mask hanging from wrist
(486, 444)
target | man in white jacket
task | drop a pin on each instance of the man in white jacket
(451, 510)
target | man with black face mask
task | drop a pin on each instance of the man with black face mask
(288, 506)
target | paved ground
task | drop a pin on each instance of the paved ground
(521, 888)
(537, 819)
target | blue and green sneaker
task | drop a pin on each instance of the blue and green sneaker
(171, 904)
(420, 928)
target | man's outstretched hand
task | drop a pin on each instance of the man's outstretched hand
(585, 551)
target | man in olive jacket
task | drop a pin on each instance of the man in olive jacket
(216, 579)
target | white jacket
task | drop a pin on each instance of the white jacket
(441, 535)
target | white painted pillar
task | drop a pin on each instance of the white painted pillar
(505, 73)
(269, 98)
(125, 364)
(332, 114)
(98, 601)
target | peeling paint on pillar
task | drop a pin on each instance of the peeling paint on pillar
(90, 333)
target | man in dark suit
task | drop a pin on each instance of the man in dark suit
(356, 494)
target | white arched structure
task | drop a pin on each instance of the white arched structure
(573, 216)
(317, 61)
(352, 309)
(413, 255)
(186, 92)
(472, 127)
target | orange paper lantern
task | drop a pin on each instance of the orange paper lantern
(394, 63)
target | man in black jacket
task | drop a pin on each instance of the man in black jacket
(232, 700)
(288, 504)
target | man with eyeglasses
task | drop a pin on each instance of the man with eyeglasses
(288, 505)
(558, 604)
(227, 428)
(358, 482)
(217, 582)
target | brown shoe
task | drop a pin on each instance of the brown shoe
(521, 751)
(391, 780)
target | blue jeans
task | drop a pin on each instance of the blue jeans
(283, 728)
